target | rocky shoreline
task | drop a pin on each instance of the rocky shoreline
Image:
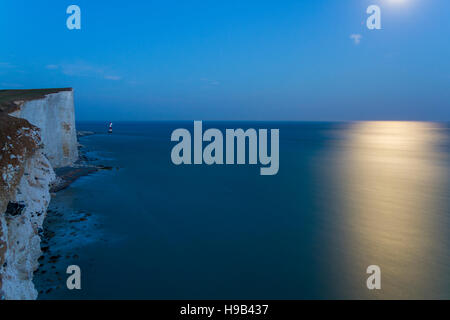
(65, 230)
(65, 176)
(40, 155)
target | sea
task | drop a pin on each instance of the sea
(348, 195)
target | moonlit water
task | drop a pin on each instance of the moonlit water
(347, 195)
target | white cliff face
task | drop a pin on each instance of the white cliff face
(20, 233)
(36, 136)
(55, 117)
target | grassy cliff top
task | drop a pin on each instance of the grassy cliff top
(7, 97)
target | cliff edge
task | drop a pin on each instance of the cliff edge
(37, 134)
(52, 111)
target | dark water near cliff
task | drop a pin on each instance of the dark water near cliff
(347, 196)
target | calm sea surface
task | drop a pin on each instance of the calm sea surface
(348, 195)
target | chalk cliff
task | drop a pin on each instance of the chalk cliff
(54, 115)
(37, 133)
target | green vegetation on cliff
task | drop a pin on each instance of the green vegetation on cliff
(7, 97)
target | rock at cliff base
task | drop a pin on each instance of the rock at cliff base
(14, 209)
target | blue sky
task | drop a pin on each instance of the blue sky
(234, 60)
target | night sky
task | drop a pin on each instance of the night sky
(234, 60)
